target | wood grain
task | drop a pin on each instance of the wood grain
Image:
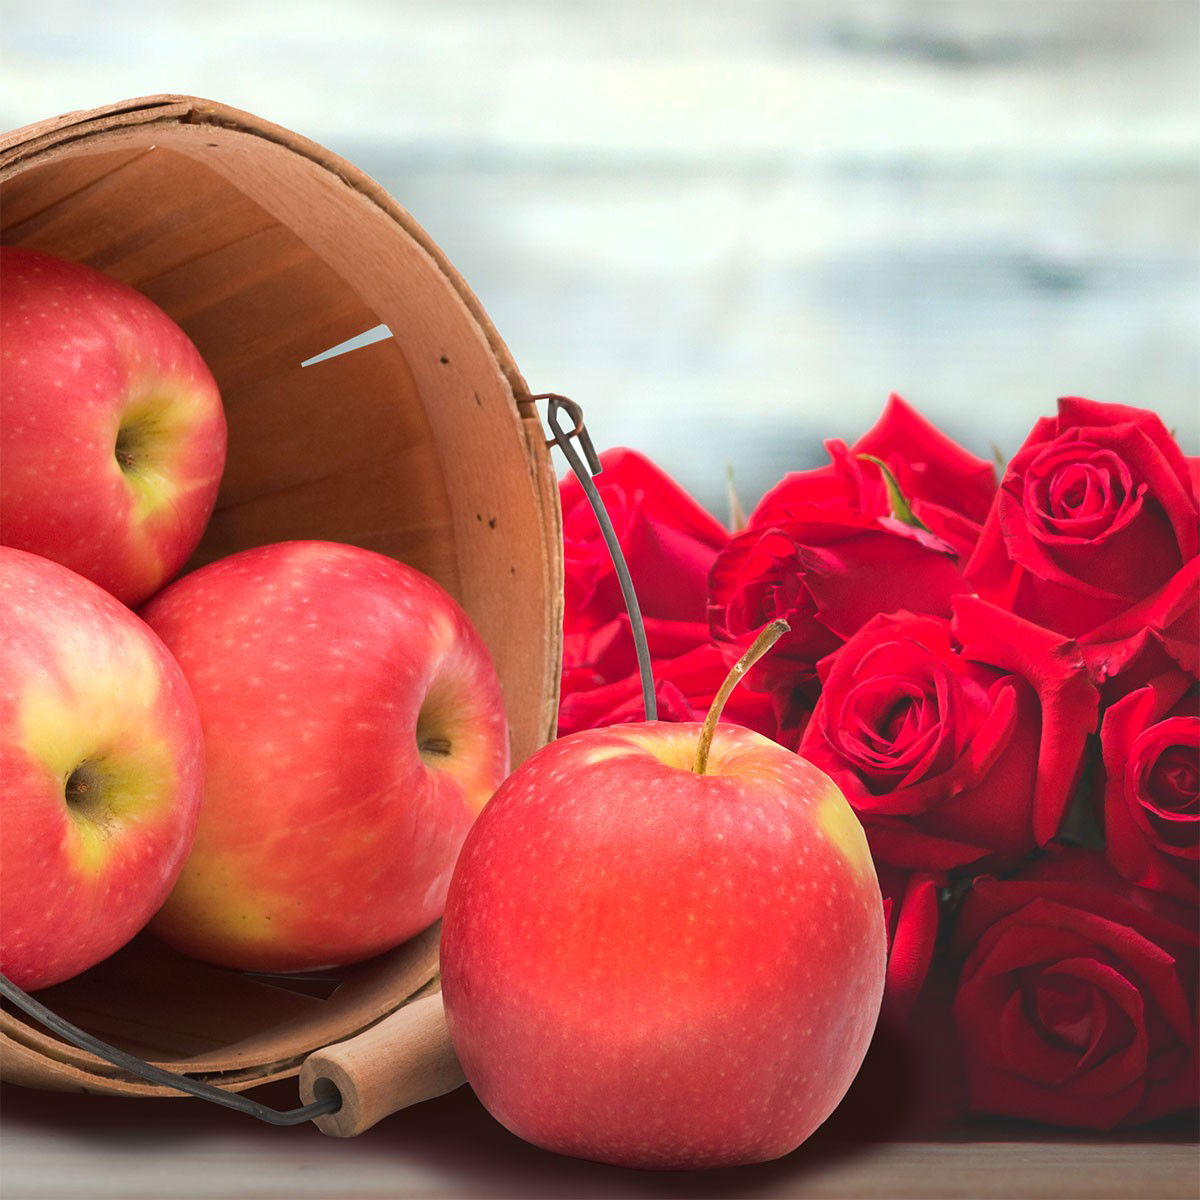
(405, 1059)
(761, 215)
(67, 1146)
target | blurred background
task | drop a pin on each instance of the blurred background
(731, 227)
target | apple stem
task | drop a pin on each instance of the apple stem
(767, 637)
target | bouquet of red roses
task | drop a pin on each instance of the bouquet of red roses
(1002, 679)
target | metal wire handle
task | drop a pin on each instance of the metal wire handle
(152, 1074)
(330, 1103)
(562, 439)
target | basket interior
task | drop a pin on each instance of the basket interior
(340, 448)
(412, 445)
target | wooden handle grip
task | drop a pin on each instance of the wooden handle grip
(404, 1059)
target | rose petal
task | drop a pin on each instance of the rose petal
(1069, 702)
(928, 464)
(668, 539)
(1133, 843)
(914, 935)
(1171, 616)
(877, 572)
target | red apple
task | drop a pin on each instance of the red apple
(112, 436)
(101, 770)
(659, 968)
(354, 728)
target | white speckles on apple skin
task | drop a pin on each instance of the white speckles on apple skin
(62, 492)
(602, 941)
(81, 678)
(311, 662)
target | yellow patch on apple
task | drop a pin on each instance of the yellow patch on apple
(81, 732)
(154, 431)
(836, 820)
(232, 919)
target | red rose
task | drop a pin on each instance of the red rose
(910, 903)
(935, 473)
(1151, 747)
(1150, 638)
(948, 489)
(911, 1081)
(1096, 514)
(954, 740)
(1077, 999)
(601, 685)
(606, 653)
(827, 572)
(668, 539)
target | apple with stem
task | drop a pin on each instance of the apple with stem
(112, 435)
(664, 945)
(354, 728)
(101, 771)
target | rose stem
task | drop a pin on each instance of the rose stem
(761, 644)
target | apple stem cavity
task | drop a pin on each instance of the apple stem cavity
(124, 449)
(84, 790)
(767, 637)
(79, 784)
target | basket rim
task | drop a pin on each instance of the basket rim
(30, 145)
(27, 1051)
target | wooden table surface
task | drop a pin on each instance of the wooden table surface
(55, 1147)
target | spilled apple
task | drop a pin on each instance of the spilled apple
(354, 728)
(112, 435)
(664, 945)
(101, 771)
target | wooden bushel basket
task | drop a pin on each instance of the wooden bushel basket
(269, 250)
